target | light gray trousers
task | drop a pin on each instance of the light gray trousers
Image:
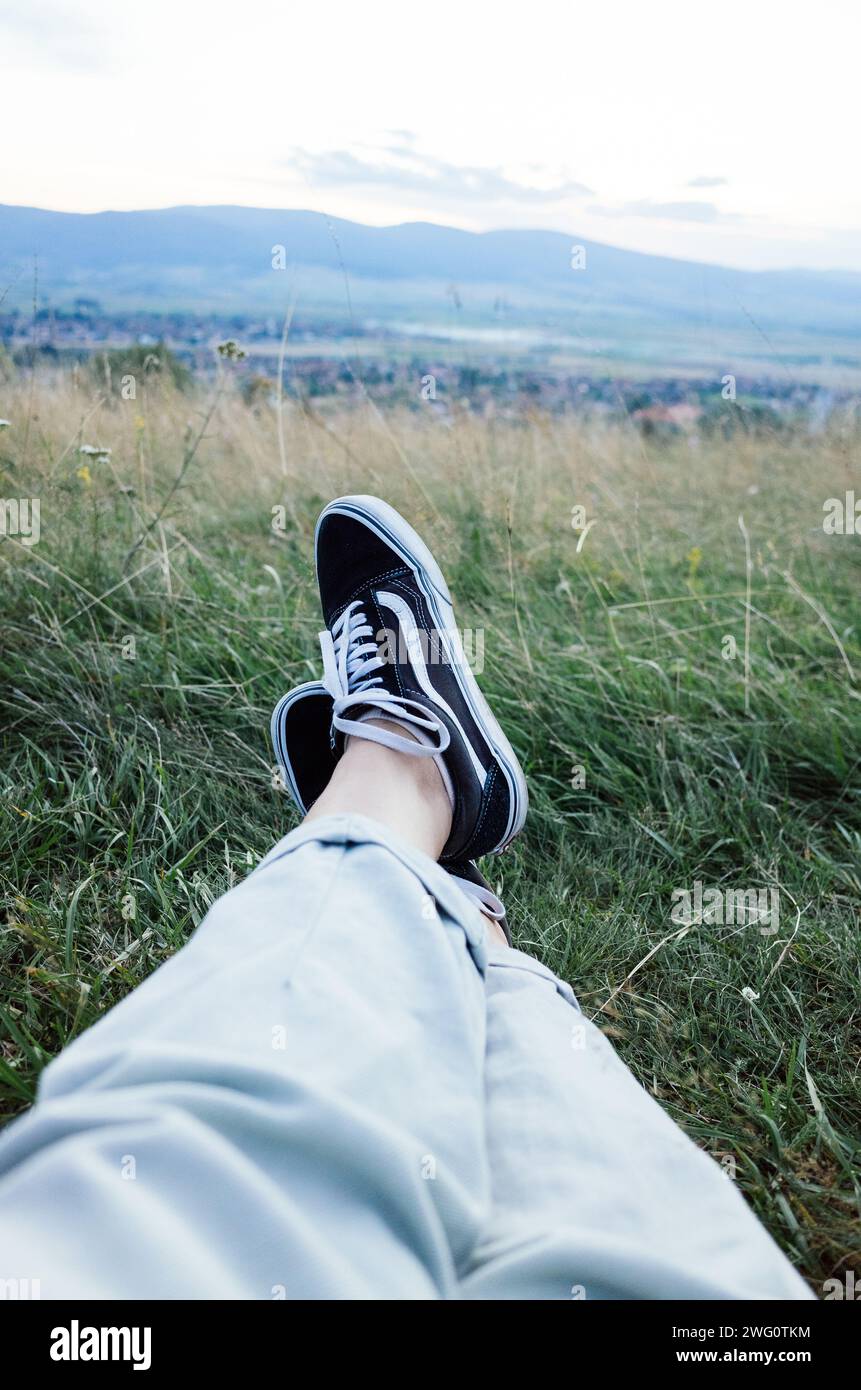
(337, 1090)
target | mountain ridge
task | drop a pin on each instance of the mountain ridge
(197, 254)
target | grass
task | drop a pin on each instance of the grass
(136, 786)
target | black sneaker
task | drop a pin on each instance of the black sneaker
(306, 760)
(300, 728)
(392, 651)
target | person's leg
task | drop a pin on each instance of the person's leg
(596, 1192)
(405, 793)
(295, 1101)
(292, 1106)
(414, 805)
(307, 765)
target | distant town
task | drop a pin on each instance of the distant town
(321, 360)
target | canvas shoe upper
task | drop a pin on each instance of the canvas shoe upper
(391, 649)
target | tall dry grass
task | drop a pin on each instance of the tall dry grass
(138, 771)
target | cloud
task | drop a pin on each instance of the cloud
(669, 212)
(706, 181)
(402, 168)
(52, 33)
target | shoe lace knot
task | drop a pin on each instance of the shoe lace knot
(351, 657)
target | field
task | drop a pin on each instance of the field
(682, 688)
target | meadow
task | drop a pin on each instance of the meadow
(678, 672)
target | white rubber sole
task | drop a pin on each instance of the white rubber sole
(391, 527)
(280, 751)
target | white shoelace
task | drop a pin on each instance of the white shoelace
(350, 657)
(488, 902)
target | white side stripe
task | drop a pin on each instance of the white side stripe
(412, 638)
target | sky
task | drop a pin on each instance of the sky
(726, 133)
